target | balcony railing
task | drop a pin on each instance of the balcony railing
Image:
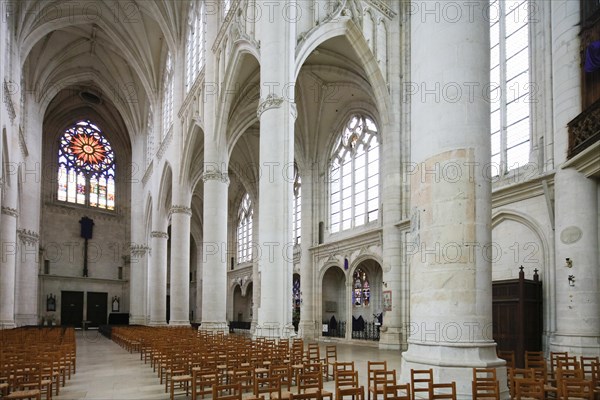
(584, 130)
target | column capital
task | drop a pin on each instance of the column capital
(271, 101)
(9, 211)
(217, 175)
(159, 234)
(28, 237)
(176, 209)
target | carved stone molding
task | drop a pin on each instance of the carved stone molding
(10, 211)
(148, 173)
(165, 144)
(28, 237)
(383, 8)
(10, 107)
(159, 234)
(180, 210)
(23, 144)
(216, 176)
(272, 101)
(139, 250)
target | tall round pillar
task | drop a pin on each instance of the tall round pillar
(158, 279)
(450, 275)
(180, 265)
(8, 258)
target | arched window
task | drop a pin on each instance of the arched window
(167, 96)
(354, 175)
(510, 84)
(244, 230)
(361, 293)
(86, 167)
(149, 139)
(297, 206)
(226, 7)
(194, 51)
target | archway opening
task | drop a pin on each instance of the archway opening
(334, 303)
(367, 300)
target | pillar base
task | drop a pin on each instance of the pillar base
(454, 362)
(179, 323)
(7, 324)
(157, 323)
(214, 327)
(137, 320)
(576, 344)
(391, 338)
(26, 319)
(274, 330)
(307, 330)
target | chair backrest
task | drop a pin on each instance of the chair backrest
(356, 393)
(343, 366)
(269, 385)
(227, 392)
(308, 381)
(245, 377)
(577, 389)
(484, 374)
(420, 381)
(284, 372)
(345, 379)
(330, 354)
(516, 374)
(316, 395)
(486, 390)
(442, 391)
(397, 392)
(508, 356)
(372, 367)
(586, 365)
(555, 356)
(529, 389)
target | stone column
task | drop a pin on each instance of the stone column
(214, 255)
(26, 303)
(216, 182)
(307, 273)
(277, 113)
(451, 279)
(157, 279)
(180, 265)
(8, 258)
(576, 201)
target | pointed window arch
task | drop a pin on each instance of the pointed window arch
(86, 167)
(244, 230)
(354, 175)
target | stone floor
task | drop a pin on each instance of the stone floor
(106, 371)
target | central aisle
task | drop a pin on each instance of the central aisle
(107, 371)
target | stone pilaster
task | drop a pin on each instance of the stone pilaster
(450, 278)
(138, 283)
(8, 258)
(307, 279)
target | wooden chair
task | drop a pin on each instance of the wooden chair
(203, 380)
(306, 396)
(508, 356)
(345, 380)
(312, 381)
(577, 389)
(397, 392)
(527, 389)
(227, 392)
(26, 382)
(372, 367)
(329, 361)
(421, 381)
(284, 372)
(356, 393)
(485, 385)
(596, 378)
(586, 365)
(245, 377)
(270, 386)
(438, 391)
(380, 380)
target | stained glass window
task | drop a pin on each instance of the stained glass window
(86, 167)
(510, 84)
(354, 175)
(244, 230)
(296, 291)
(361, 290)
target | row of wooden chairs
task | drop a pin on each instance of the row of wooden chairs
(35, 361)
